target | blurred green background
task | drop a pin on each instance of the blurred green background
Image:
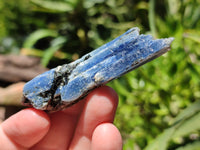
(159, 106)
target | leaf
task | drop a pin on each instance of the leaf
(56, 6)
(193, 35)
(55, 45)
(161, 142)
(185, 123)
(37, 35)
(188, 112)
(191, 146)
(90, 3)
(188, 126)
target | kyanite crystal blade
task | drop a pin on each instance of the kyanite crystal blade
(65, 85)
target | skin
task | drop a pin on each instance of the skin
(86, 125)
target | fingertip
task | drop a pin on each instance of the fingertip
(100, 106)
(105, 91)
(107, 134)
(26, 127)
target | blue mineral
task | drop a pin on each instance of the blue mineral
(65, 85)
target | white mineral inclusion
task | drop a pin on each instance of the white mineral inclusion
(98, 77)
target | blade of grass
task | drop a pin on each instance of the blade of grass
(151, 17)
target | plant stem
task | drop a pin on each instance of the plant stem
(152, 18)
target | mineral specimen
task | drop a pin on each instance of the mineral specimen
(65, 85)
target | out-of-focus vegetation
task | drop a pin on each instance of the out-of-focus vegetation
(159, 99)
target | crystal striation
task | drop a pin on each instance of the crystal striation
(65, 85)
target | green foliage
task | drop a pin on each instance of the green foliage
(152, 95)
(55, 44)
(37, 35)
(154, 98)
(192, 146)
(56, 6)
(186, 123)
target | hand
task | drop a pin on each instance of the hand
(83, 126)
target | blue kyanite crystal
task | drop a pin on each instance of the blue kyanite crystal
(67, 84)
